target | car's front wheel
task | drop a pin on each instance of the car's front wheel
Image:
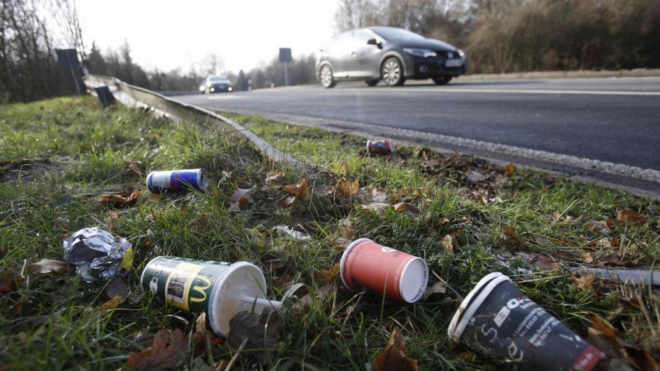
(392, 72)
(442, 80)
(327, 79)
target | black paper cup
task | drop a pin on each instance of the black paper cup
(498, 321)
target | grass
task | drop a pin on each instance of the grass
(58, 156)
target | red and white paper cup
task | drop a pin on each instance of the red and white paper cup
(383, 269)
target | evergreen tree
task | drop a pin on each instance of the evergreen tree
(95, 62)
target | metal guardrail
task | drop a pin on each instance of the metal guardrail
(139, 97)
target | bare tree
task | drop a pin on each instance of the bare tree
(29, 69)
(213, 64)
(66, 16)
(356, 13)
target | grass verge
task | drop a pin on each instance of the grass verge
(465, 217)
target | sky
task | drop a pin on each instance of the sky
(169, 34)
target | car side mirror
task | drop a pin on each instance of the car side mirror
(373, 42)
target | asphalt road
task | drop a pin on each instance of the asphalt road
(602, 129)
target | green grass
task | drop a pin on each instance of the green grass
(58, 156)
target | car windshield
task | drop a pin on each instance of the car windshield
(396, 34)
(218, 79)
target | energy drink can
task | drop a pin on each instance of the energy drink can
(177, 180)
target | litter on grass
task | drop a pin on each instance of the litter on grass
(220, 289)
(380, 146)
(383, 269)
(177, 180)
(97, 254)
(500, 322)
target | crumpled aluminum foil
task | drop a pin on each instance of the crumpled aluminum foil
(97, 254)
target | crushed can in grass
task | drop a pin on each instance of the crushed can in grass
(218, 288)
(383, 269)
(97, 254)
(177, 180)
(380, 146)
(499, 322)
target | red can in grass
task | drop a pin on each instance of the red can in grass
(380, 146)
(383, 269)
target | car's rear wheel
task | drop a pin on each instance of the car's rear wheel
(372, 82)
(442, 80)
(327, 79)
(392, 72)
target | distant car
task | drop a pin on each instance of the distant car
(388, 54)
(216, 84)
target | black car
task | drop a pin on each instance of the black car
(389, 54)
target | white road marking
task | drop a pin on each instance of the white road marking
(547, 92)
(496, 148)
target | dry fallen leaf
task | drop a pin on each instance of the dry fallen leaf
(437, 288)
(587, 257)
(613, 259)
(119, 198)
(113, 219)
(240, 197)
(378, 195)
(346, 229)
(377, 207)
(348, 188)
(474, 177)
(447, 244)
(202, 338)
(10, 282)
(297, 190)
(545, 262)
(261, 332)
(509, 169)
(161, 356)
(514, 241)
(273, 178)
(406, 206)
(627, 217)
(585, 282)
(328, 275)
(609, 340)
(46, 266)
(134, 166)
(393, 357)
(342, 243)
(200, 224)
(113, 303)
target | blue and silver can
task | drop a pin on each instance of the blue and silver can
(177, 180)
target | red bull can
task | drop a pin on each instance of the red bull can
(177, 180)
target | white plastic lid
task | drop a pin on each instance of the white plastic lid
(243, 280)
(470, 304)
(413, 280)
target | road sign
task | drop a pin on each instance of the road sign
(285, 55)
(67, 58)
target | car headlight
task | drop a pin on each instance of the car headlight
(461, 54)
(230, 89)
(425, 53)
